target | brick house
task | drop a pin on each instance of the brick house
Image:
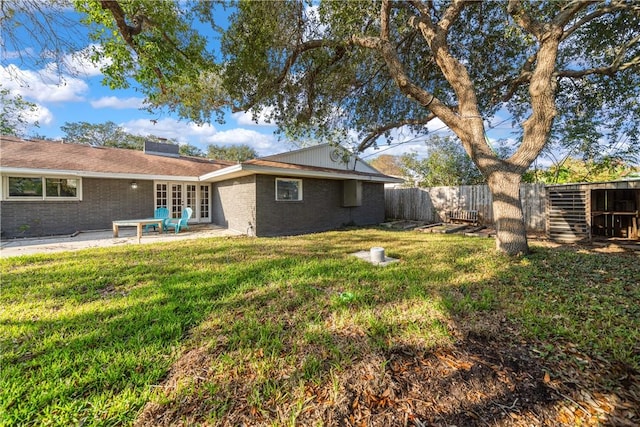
(51, 188)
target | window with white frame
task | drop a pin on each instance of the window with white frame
(288, 189)
(42, 188)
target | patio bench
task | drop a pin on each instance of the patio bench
(463, 216)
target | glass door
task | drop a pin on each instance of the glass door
(176, 196)
(191, 198)
(204, 215)
(175, 205)
(161, 195)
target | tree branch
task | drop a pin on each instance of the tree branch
(422, 7)
(451, 15)
(369, 140)
(145, 19)
(119, 16)
(562, 19)
(616, 64)
(590, 17)
(517, 12)
(127, 32)
(568, 12)
(523, 77)
(291, 60)
(404, 82)
(384, 19)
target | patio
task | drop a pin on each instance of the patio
(104, 238)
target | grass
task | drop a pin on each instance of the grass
(87, 337)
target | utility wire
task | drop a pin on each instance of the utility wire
(390, 146)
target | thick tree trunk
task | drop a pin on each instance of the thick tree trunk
(511, 233)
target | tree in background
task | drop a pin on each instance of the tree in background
(232, 153)
(106, 134)
(109, 134)
(13, 114)
(388, 165)
(191, 151)
(446, 165)
(577, 170)
(372, 67)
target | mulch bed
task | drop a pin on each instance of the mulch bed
(480, 381)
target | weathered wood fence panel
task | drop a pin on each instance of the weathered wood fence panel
(431, 204)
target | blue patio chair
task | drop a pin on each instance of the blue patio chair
(160, 213)
(179, 223)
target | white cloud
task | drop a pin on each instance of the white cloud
(80, 63)
(55, 82)
(19, 54)
(202, 136)
(437, 126)
(246, 118)
(406, 141)
(263, 144)
(43, 86)
(41, 114)
(183, 132)
(118, 103)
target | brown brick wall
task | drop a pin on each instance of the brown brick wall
(320, 210)
(104, 200)
(234, 203)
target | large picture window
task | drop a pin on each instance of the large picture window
(288, 189)
(39, 188)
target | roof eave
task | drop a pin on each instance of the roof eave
(92, 174)
(248, 169)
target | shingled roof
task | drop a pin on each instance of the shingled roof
(87, 160)
(55, 157)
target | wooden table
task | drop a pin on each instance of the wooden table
(139, 223)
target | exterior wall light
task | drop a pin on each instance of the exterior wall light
(134, 185)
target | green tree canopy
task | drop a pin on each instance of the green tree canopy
(109, 134)
(233, 153)
(446, 165)
(388, 164)
(13, 113)
(106, 134)
(577, 170)
(190, 150)
(561, 69)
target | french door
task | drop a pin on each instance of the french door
(176, 196)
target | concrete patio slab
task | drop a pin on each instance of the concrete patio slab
(104, 238)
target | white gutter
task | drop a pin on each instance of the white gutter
(247, 169)
(91, 174)
(229, 172)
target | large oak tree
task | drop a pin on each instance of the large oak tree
(562, 68)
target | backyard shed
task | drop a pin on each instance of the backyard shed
(582, 212)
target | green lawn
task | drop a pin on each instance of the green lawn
(89, 337)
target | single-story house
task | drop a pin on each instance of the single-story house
(584, 211)
(52, 187)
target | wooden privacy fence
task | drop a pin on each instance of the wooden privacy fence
(432, 204)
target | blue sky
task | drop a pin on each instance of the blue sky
(78, 95)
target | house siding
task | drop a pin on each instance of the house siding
(234, 203)
(104, 200)
(320, 209)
